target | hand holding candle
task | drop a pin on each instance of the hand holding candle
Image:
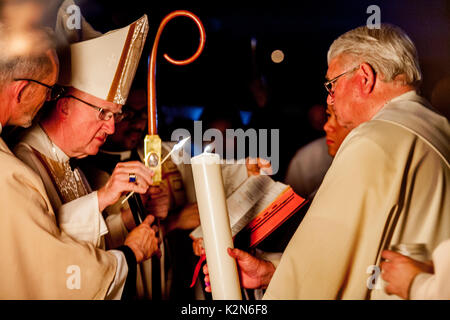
(215, 223)
(255, 273)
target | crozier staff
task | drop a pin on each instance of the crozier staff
(31, 238)
(77, 125)
(152, 142)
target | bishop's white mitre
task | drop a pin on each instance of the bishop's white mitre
(105, 66)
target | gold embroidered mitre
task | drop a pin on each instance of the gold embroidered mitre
(105, 66)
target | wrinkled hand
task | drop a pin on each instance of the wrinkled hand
(254, 273)
(142, 240)
(127, 218)
(118, 182)
(156, 201)
(399, 272)
(188, 218)
(197, 246)
(257, 166)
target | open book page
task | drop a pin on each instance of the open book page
(259, 193)
(233, 176)
(244, 204)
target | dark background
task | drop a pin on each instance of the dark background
(218, 82)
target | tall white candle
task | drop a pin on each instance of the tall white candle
(215, 223)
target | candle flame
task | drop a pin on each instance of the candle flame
(176, 147)
(180, 144)
(209, 148)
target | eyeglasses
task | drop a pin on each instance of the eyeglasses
(329, 84)
(103, 114)
(53, 92)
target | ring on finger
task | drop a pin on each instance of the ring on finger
(132, 178)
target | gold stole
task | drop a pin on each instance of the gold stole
(68, 183)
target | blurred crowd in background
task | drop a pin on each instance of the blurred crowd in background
(237, 80)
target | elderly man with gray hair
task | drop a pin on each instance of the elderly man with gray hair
(39, 261)
(389, 182)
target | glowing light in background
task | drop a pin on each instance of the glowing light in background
(277, 56)
(19, 34)
(246, 116)
(184, 112)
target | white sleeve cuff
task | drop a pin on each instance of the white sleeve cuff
(117, 230)
(419, 286)
(82, 220)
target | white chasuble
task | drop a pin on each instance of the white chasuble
(77, 207)
(389, 183)
(37, 254)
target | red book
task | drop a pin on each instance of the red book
(269, 219)
(257, 208)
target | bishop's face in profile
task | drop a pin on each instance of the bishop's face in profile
(88, 121)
